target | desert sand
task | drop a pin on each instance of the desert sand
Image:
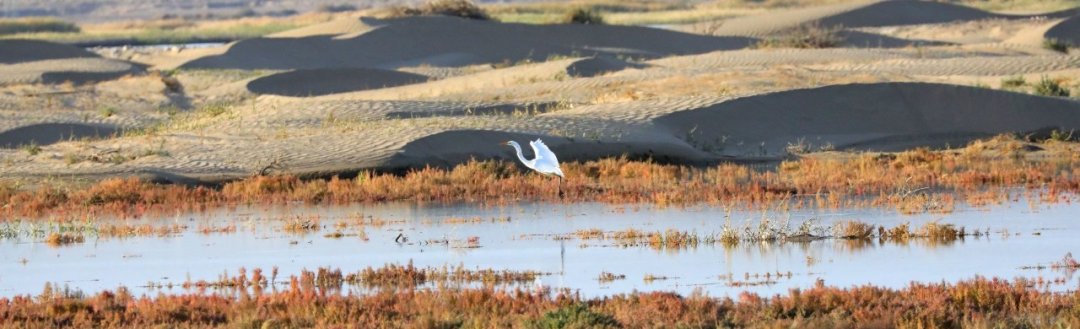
(394, 94)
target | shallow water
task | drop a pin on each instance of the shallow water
(1021, 235)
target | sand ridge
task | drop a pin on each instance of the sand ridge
(881, 117)
(862, 14)
(318, 82)
(447, 41)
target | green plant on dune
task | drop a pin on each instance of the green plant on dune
(1050, 87)
(807, 36)
(1013, 82)
(455, 8)
(1056, 45)
(576, 315)
(583, 16)
(32, 148)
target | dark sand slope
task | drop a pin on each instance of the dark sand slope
(18, 51)
(80, 70)
(450, 148)
(1068, 31)
(449, 41)
(599, 65)
(50, 133)
(865, 14)
(318, 82)
(857, 39)
(883, 117)
(29, 61)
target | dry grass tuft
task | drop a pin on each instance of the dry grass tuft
(455, 8)
(805, 36)
(853, 230)
(60, 239)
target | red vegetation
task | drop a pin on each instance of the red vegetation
(974, 303)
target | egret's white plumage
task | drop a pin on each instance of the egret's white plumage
(544, 160)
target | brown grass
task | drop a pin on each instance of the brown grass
(979, 303)
(913, 182)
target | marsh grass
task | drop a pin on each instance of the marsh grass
(161, 31)
(770, 232)
(409, 276)
(978, 302)
(608, 277)
(36, 25)
(302, 225)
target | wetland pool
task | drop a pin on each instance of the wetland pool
(539, 237)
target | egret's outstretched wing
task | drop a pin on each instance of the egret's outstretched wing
(545, 159)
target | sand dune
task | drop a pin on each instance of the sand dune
(318, 82)
(887, 116)
(76, 70)
(860, 39)
(448, 41)
(32, 61)
(18, 51)
(968, 66)
(341, 27)
(1067, 31)
(599, 65)
(501, 79)
(861, 14)
(50, 133)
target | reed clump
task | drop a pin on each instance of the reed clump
(409, 276)
(56, 239)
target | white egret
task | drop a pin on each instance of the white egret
(544, 161)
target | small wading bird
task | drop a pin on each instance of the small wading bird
(544, 161)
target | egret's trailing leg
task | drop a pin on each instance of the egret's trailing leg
(560, 187)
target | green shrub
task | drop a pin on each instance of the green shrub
(1056, 45)
(574, 316)
(1013, 82)
(32, 148)
(1049, 87)
(583, 16)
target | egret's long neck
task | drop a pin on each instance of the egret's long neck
(521, 156)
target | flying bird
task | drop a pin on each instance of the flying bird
(543, 161)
